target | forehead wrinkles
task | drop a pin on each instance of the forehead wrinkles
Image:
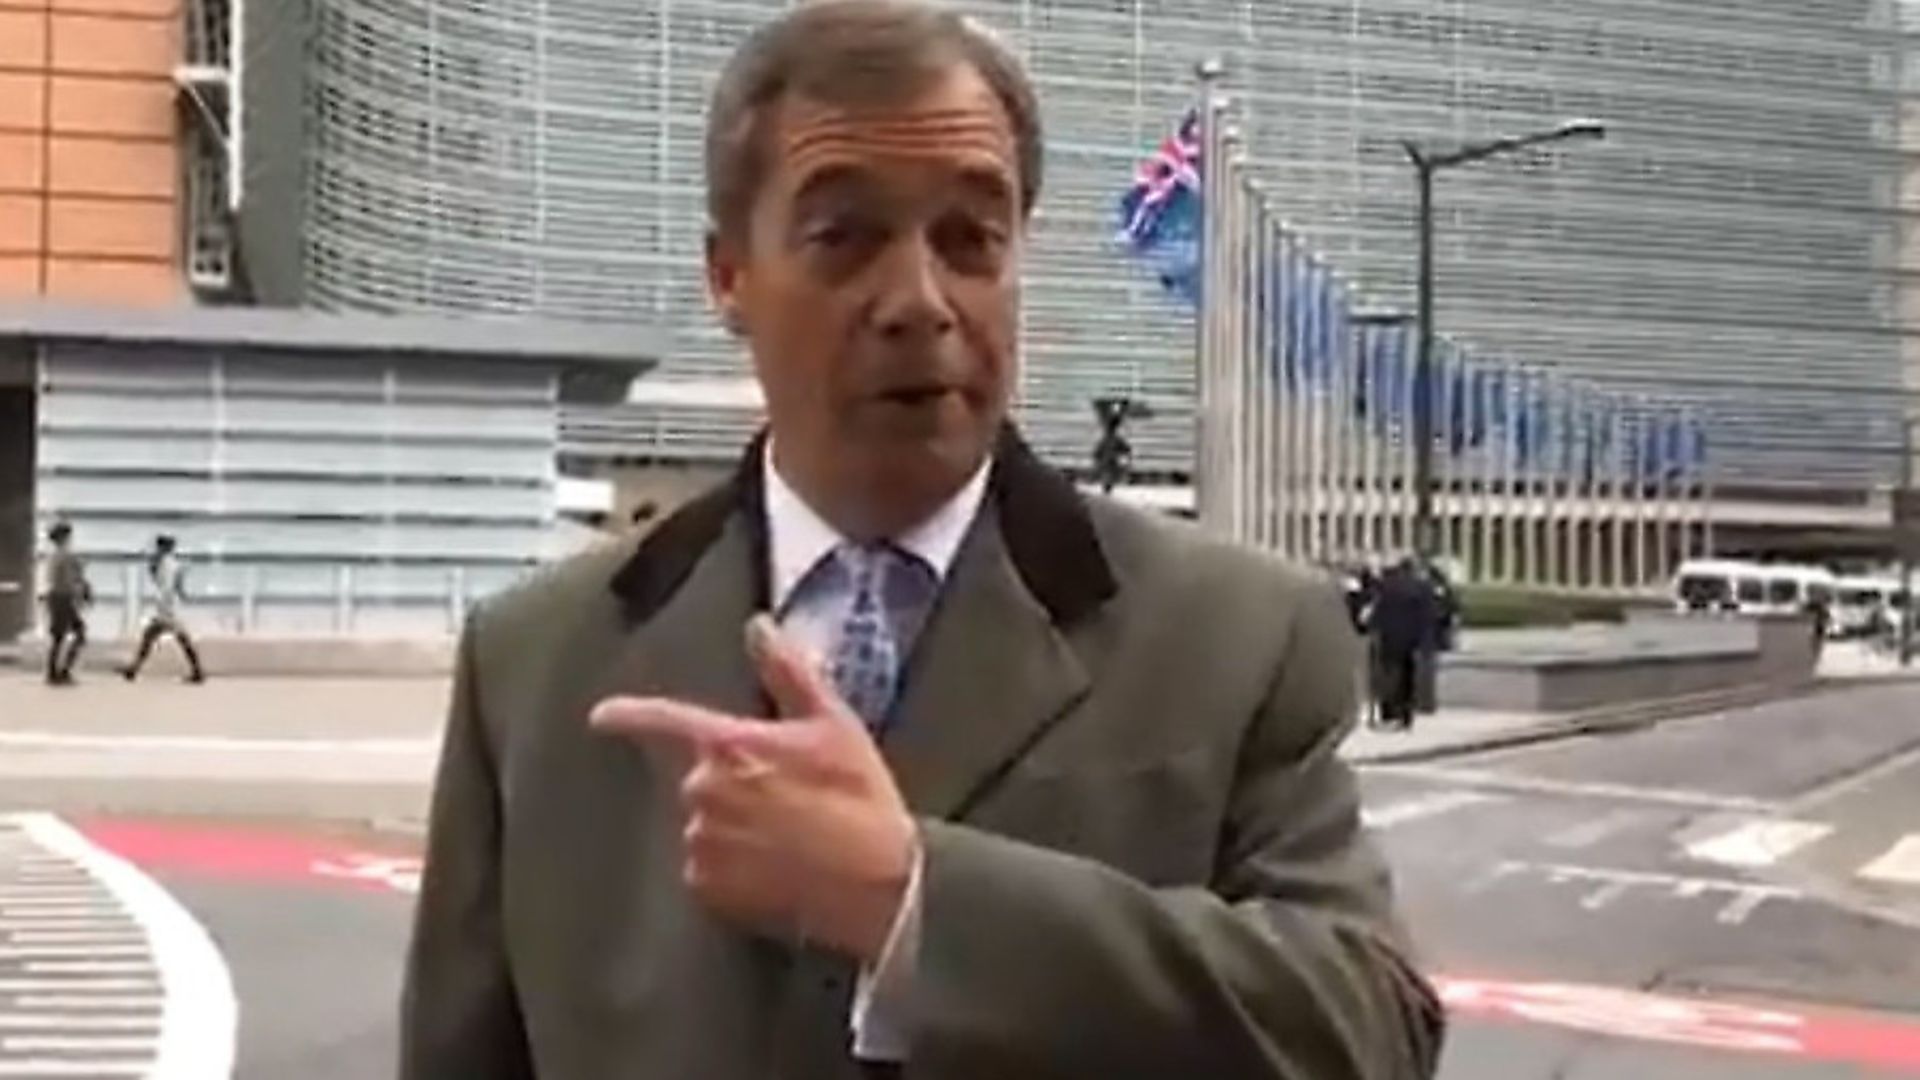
(917, 134)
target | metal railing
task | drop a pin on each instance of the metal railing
(249, 603)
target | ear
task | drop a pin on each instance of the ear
(725, 268)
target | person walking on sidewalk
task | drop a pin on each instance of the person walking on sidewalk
(166, 576)
(1404, 613)
(67, 598)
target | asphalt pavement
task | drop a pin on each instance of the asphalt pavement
(1680, 902)
(1727, 896)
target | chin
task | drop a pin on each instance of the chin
(910, 478)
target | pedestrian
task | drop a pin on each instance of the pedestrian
(68, 595)
(1404, 614)
(1362, 588)
(1061, 794)
(166, 580)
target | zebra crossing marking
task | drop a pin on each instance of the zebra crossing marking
(102, 973)
(1757, 843)
(1900, 864)
(1425, 806)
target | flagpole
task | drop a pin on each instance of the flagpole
(1374, 504)
(1560, 406)
(1640, 502)
(1510, 481)
(1256, 383)
(1235, 458)
(1339, 463)
(1213, 299)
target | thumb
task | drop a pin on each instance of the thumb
(797, 685)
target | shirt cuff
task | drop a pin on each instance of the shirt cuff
(880, 1000)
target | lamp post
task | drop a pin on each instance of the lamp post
(1426, 163)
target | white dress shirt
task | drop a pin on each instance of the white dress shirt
(797, 540)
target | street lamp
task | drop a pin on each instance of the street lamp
(1426, 163)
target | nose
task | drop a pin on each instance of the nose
(911, 303)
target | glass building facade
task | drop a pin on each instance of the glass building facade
(1736, 244)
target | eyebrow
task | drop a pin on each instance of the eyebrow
(992, 185)
(832, 181)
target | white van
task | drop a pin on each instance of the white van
(1747, 588)
(1865, 604)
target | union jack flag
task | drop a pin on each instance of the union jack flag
(1171, 173)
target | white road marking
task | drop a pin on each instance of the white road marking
(95, 1001)
(50, 930)
(1746, 896)
(1740, 907)
(1900, 864)
(70, 985)
(123, 948)
(1757, 843)
(75, 1022)
(1867, 777)
(88, 967)
(1425, 806)
(45, 1067)
(199, 1016)
(1589, 833)
(1491, 876)
(29, 1044)
(1604, 895)
(1573, 788)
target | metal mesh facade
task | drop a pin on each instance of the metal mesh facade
(1736, 244)
(310, 492)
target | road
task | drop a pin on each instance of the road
(1731, 896)
(1607, 886)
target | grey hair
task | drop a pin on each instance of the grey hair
(852, 52)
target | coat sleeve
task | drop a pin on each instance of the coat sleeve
(1290, 966)
(460, 1019)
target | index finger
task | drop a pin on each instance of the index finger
(693, 726)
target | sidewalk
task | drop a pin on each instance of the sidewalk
(1451, 731)
(1856, 660)
(339, 749)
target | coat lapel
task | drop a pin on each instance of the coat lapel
(989, 675)
(688, 593)
(996, 665)
(994, 668)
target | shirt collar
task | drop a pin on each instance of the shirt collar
(798, 538)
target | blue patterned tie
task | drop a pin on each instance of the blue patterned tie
(891, 593)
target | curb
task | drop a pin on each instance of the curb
(1609, 720)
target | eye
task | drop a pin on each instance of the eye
(838, 233)
(970, 241)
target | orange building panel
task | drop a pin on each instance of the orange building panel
(113, 46)
(99, 281)
(154, 9)
(116, 228)
(22, 102)
(20, 232)
(19, 275)
(20, 162)
(23, 40)
(86, 166)
(93, 106)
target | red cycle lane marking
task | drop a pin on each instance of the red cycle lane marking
(257, 855)
(1752, 1028)
(1771, 1029)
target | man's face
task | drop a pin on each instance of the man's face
(877, 285)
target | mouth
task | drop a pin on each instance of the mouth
(916, 397)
